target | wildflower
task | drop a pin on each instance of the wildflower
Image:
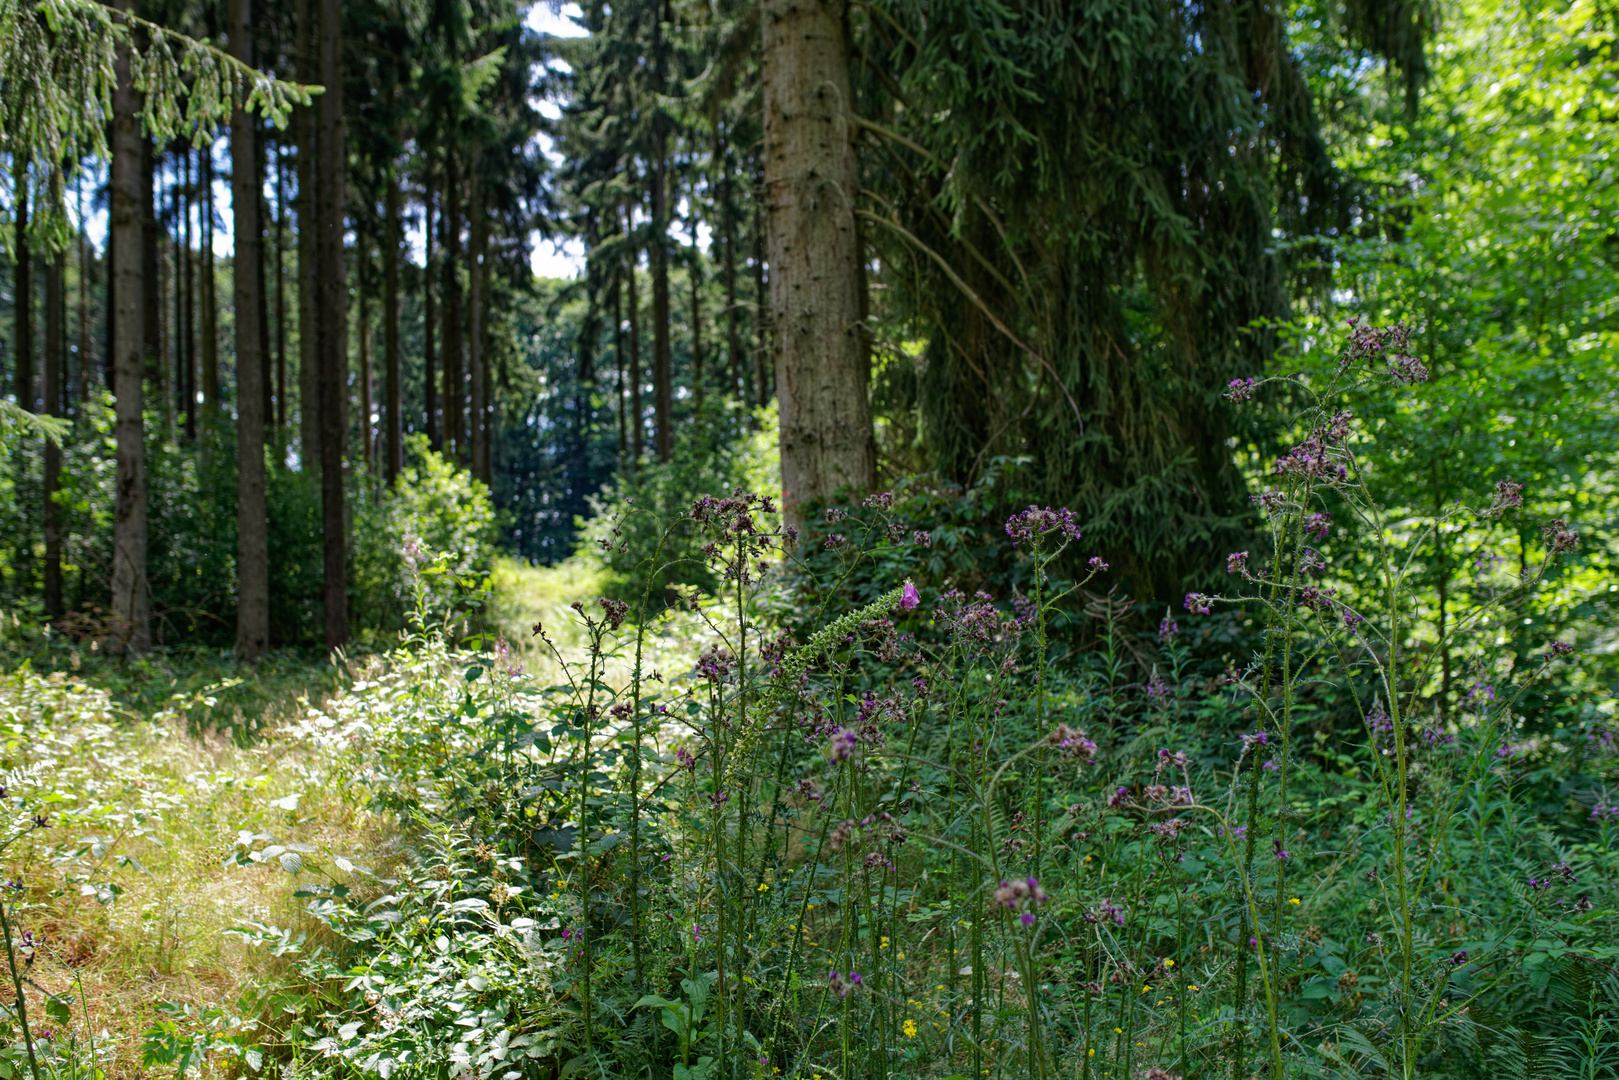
(1560, 648)
(686, 760)
(1095, 564)
(843, 985)
(1198, 603)
(1294, 901)
(1351, 620)
(909, 1027)
(1316, 599)
(908, 598)
(1034, 523)
(1405, 370)
(1072, 743)
(843, 745)
(1318, 525)
(1240, 390)
(1312, 460)
(1270, 764)
(1157, 689)
(1478, 693)
(1338, 426)
(1158, 1073)
(1458, 958)
(1508, 496)
(1282, 854)
(835, 541)
(615, 610)
(1559, 539)
(1167, 628)
(1236, 562)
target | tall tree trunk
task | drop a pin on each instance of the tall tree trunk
(308, 228)
(167, 285)
(190, 259)
(54, 360)
(658, 252)
(733, 334)
(84, 315)
(261, 278)
(22, 296)
(430, 315)
(454, 394)
(132, 631)
(637, 413)
(694, 275)
(818, 340)
(364, 331)
(155, 327)
(333, 311)
(761, 313)
(252, 524)
(476, 431)
(280, 300)
(618, 365)
(208, 295)
(392, 444)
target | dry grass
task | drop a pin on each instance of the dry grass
(132, 884)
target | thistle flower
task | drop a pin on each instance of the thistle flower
(843, 745)
(1095, 564)
(1240, 390)
(1236, 562)
(1508, 496)
(1199, 604)
(615, 610)
(1318, 525)
(1034, 523)
(922, 538)
(1559, 538)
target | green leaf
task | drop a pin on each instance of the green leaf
(473, 672)
(292, 862)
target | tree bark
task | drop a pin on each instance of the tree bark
(393, 444)
(131, 630)
(454, 394)
(333, 343)
(208, 294)
(618, 366)
(477, 433)
(252, 524)
(84, 313)
(430, 316)
(818, 341)
(22, 296)
(52, 363)
(694, 275)
(308, 228)
(637, 414)
(733, 334)
(364, 334)
(658, 252)
(280, 300)
(761, 314)
(185, 315)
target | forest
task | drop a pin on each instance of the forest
(809, 539)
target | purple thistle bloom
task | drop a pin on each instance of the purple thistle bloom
(843, 745)
(1198, 604)
(1034, 523)
(1095, 564)
(1236, 562)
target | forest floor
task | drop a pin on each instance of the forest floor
(140, 887)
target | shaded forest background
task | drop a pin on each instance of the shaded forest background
(1076, 227)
